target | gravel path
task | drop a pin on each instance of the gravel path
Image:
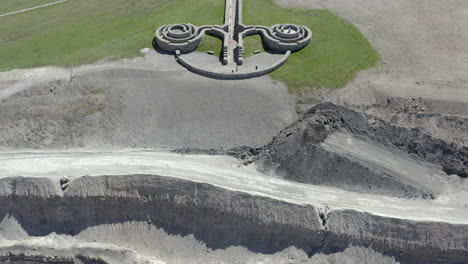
(224, 172)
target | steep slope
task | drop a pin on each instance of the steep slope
(124, 214)
(335, 146)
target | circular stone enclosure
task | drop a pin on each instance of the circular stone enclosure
(183, 37)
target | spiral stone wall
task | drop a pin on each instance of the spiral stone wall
(185, 38)
(286, 37)
(282, 37)
(182, 37)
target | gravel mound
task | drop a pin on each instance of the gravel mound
(315, 150)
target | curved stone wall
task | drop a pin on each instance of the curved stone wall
(233, 75)
(282, 37)
(185, 38)
(182, 37)
(219, 33)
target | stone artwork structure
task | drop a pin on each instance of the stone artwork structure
(183, 39)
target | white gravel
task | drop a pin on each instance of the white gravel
(224, 172)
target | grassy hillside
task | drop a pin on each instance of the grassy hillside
(84, 31)
(337, 52)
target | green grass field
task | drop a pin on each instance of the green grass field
(84, 31)
(251, 44)
(7, 6)
(338, 50)
(210, 43)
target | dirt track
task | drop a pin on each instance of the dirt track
(224, 172)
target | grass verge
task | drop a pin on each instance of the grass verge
(251, 44)
(211, 43)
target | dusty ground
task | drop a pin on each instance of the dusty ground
(421, 82)
(147, 102)
(422, 44)
(423, 74)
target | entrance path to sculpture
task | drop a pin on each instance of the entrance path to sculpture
(230, 19)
